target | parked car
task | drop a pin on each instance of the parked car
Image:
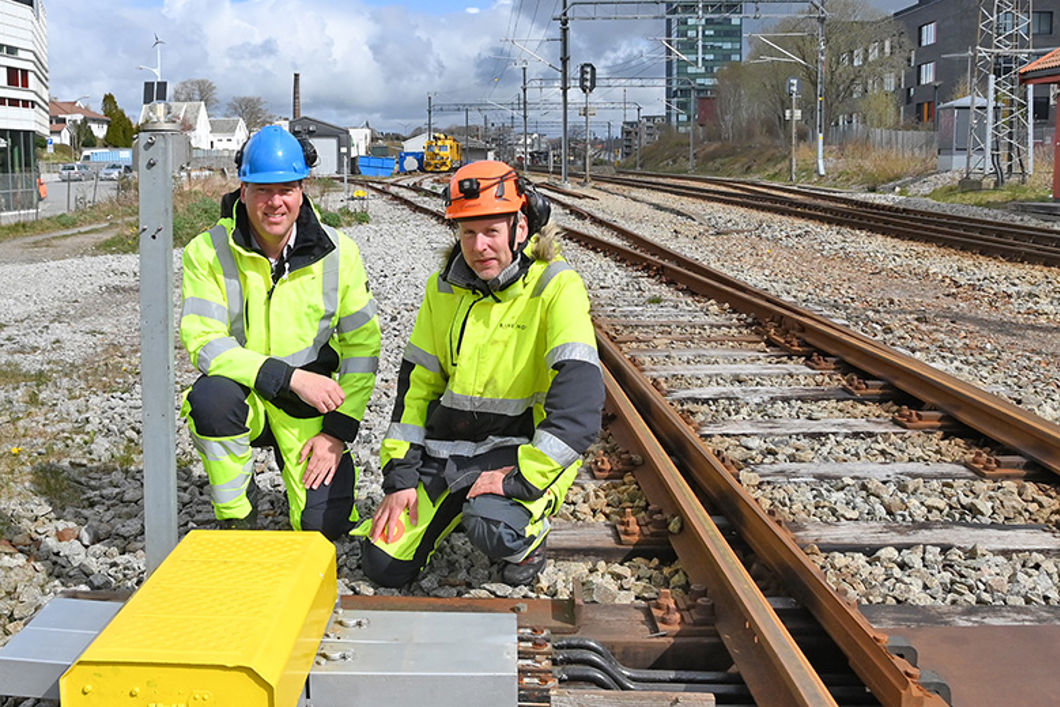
(115, 170)
(74, 172)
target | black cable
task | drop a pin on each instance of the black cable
(588, 644)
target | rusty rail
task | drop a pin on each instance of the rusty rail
(997, 419)
(772, 665)
(883, 219)
(890, 678)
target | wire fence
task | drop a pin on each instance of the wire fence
(18, 195)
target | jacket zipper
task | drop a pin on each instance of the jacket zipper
(463, 328)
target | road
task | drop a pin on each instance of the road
(81, 194)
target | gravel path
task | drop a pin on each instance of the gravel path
(70, 511)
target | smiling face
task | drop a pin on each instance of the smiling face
(272, 209)
(484, 243)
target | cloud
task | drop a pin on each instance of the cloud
(358, 61)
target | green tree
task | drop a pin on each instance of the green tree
(120, 131)
(81, 137)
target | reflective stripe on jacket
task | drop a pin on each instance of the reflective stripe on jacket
(515, 367)
(319, 316)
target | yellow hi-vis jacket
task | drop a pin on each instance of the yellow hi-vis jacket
(509, 363)
(243, 322)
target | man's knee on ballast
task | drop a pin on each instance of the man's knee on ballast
(384, 570)
(218, 406)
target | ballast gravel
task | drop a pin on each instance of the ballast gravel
(70, 405)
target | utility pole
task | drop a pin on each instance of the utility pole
(430, 135)
(526, 147)
(819, 116)
(564, 63)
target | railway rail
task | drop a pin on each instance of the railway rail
(1010, 241)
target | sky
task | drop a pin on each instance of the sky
(359, 60)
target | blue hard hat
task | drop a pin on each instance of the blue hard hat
(272, 156)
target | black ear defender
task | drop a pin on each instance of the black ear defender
(538, 208)
(309, 151)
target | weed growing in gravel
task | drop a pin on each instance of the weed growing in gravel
(13, 374)
(128, 456)
(655, 299)
(53, 481)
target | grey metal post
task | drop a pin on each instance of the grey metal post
(430, 135)
(586, 180)
(638, 137)
(157, 160)
(691, 144)
(564, 63)
(793, 96)
(819, 118)
(526, 146)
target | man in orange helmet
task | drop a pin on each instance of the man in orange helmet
(499, 393)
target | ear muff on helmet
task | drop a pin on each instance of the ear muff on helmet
(309, 151)
(538, 208)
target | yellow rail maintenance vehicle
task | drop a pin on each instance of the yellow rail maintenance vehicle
(442, 153)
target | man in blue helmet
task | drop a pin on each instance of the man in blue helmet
(278, 317)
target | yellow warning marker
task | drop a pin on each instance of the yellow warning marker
(229, 618)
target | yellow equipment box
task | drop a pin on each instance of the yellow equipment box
(230, 618)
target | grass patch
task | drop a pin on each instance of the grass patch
(1039, 187)
(854, 166)
(13, 374)
(53, 481)
(99, 214)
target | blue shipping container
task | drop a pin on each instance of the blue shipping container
(375, 166)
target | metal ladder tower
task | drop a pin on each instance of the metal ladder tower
(999, 128)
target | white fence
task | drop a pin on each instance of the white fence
(910, 142)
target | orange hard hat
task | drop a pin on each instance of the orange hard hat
(483, 188)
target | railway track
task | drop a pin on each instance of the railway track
(1010, 241)
(724, 405)
(883, 394)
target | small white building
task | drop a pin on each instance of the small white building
(73, 112)
(360, 139)
(416, 143)
(193, 120)
(227, 133)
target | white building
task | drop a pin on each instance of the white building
(72, 112)
(227, 133)
(193, 120)
(23, 85)
(360, 139)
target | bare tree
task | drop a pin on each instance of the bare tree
(252, 110)
(197, 90)
(864, 53)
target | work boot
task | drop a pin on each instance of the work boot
(521, 573)
(250, 522)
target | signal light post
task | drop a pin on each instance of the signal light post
(587, 82)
